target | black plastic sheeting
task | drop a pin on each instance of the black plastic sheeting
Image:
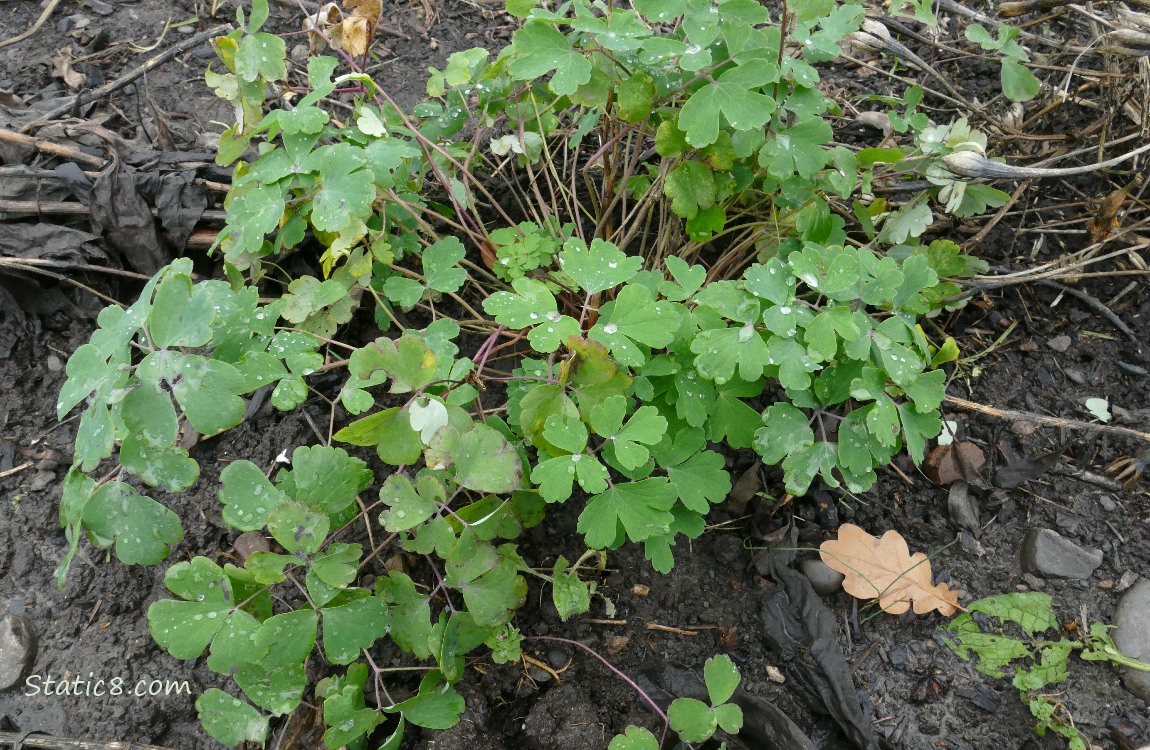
(797, 625)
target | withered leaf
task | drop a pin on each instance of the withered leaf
(884, 569)
(960, 461)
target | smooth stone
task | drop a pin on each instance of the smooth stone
(962, 509)
(824, 579)
(1132, 635)
(1049, 554)
(1060, 343)
(17, 650)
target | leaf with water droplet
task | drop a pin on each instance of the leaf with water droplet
(409, 504)
(229, 720)
(142, 529)
(600, 267)
(248, 496)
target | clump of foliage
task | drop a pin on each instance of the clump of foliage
(644, 205)
(1038, 663)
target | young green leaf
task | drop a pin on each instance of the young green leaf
(638, 509)
(569, 594)
(733, 95)
(483, 459)
(722, 677)
(598, 268)
(248, 496)
(230, 720)
(645, 426)
(352, 627)
(142, 529)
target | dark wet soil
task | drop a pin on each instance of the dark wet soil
(917, 693)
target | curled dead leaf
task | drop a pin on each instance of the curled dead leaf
(62, 69)
(960, 461)
(883, 569)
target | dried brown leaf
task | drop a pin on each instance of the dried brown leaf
(884, 569)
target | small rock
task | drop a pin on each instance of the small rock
(250, 542)
(1049, 554)
(1132, 635)
(1059, 343)
(824, 579)
(641, 589)
(41, 479)
(54, 363)
(1068, 522)
(1034, 582)
(1024, 428)
(557, 658)
(17, 648)
(1107, 503)
(962, 509)
(99, 8)
(617, 643)
(186, 29)
(537, 674)
(1128, 579)
(1075, 375)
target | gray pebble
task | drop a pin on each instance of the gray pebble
(539, 675)
(557, 658)
(962, 508)
(1051, 555)
(824, 579)
(1075, 375)
(41, 479)
(54, 363)
(1132, 635)
(17, 650)
(1107, 503)
(99, 8)
(1060, 343)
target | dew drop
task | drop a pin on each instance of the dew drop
(610, 328)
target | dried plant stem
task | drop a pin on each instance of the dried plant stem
(1073, 424)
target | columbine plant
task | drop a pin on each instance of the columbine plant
(667, 263)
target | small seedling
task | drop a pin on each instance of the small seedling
(694, 720)
(1037, 662)
(1018, 83)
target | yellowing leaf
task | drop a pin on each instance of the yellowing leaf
(884, 569)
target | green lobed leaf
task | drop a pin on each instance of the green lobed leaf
(483, 459)
(248, 496)
(722, 677)
(440, 265)
(734, 96)
(598, 268)
(390, 431)
(409, 504)
(324, 477)
(569, 594)
(638, 509)
(352, 627)
(277, 690)
(408, 612)
(230, 720)
(634, 316)
(538, 48)
(142, 529)
(692, 719)
(298, 528)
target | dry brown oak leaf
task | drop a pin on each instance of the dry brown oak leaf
(884, 569)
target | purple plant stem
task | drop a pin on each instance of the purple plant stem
(650, 701)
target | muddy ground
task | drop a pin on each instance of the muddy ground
(917, 693)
